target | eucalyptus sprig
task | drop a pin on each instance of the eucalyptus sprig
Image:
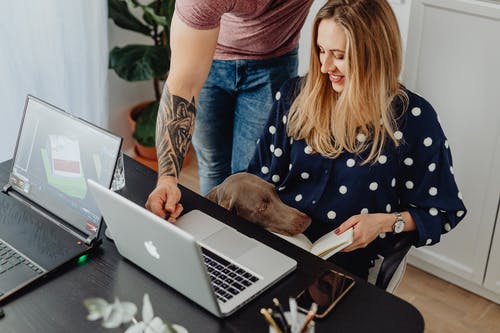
(120, 313)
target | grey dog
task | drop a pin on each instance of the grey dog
(257, 201)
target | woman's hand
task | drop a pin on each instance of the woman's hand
(366, 227)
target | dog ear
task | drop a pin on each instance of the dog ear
(212, 195)
(221, 197)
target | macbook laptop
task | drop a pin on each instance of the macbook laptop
(209, 262)
(47, 215)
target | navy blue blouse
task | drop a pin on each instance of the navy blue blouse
(417, 176)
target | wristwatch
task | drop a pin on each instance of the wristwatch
(399, 224)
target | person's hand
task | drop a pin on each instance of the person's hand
(366, 227)
(164, 200)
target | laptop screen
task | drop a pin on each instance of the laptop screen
(56, 153)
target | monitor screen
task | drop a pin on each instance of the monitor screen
(56, 153)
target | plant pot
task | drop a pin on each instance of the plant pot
(148, 153)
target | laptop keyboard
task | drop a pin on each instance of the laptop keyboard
(10, 258)
(228, 279)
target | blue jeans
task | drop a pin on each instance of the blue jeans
(233, 108)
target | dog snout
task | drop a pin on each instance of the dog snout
(302, 222)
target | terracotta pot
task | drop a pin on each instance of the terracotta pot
(148, 153)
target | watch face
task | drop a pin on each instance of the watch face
(399, 226)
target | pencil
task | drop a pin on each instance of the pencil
(293, 314)
(270, 320)
(281, 315)
(309, 317)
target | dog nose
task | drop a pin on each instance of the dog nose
(303, 221)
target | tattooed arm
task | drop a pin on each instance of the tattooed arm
(174, 129)
(191, 58)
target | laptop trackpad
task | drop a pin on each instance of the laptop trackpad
(229, 242)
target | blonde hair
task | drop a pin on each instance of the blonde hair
(330, 122)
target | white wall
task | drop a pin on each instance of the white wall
(55, 50)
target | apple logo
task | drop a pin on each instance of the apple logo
(151, 249)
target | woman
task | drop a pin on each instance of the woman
(353, 148)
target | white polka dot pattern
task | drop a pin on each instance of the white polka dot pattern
(361, 137)
(408, 161)
(427, 142)
(343, 189)
(433, 191)
(417, 175)
(416, 111)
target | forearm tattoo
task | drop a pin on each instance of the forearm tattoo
(174, 129)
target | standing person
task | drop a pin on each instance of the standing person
(247, 49)
(353, 148)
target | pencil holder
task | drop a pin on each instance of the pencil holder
(300, 319)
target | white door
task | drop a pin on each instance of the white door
(453, 60)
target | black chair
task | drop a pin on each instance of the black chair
(389, 269)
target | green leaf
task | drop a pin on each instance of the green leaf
(144, 133)
(140, 62)
(119, 12)
(136, 328)
(149, 13)
(167, 9)
(147, 309)
(97, 307)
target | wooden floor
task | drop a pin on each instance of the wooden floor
(444, 306)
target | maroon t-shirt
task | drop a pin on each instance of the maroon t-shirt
(249, 29)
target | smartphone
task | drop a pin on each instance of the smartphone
(326, 291)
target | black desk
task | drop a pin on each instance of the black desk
(56, 304)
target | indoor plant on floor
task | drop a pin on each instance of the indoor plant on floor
(143, 62)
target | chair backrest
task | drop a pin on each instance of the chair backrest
(393, 264)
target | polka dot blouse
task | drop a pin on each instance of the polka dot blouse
(417, 176)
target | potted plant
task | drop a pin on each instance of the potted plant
(143, 62)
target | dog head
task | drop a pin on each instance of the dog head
(257, 201)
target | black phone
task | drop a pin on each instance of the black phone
(326, 291)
